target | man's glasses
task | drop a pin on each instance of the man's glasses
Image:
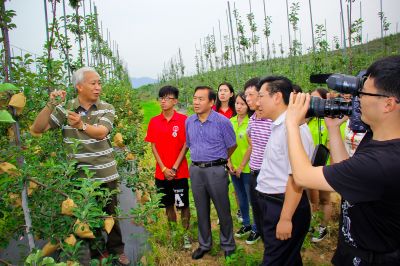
(165, 98)
(360, 93)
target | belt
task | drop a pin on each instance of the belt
(370, 256)
(272, 197)
(211, 163)
(254, 172)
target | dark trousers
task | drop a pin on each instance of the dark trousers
(257, 215)
(114, 242)
(90, 248)
(212, 183)
(287, 252)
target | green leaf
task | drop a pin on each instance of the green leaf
(6, 117)
(48, 261)
(8, 87)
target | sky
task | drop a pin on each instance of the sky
(150, 32)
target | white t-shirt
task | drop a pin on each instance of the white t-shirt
(275, 168)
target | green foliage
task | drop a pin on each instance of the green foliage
(37, 259)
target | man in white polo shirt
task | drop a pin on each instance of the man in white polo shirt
(284, 205)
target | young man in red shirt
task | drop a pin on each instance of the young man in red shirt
(166, 133)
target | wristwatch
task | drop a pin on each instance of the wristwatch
(174, 169)
(84, 127)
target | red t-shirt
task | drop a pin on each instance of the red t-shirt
(169, 138)
(228, 114)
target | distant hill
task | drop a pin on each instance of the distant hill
(137, 82)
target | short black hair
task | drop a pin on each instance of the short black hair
(386, 75)
(168, 90)
(322, 92)
(253, 82)
(212, 96)
(297, 88)
(278, 84)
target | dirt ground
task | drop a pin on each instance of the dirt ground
(313, 254)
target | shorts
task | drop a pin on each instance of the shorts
(176, 191)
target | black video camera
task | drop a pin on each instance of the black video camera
(339, 107)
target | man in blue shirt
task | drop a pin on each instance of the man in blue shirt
(211, 140)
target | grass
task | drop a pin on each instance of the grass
(166, 240)
(150, 109)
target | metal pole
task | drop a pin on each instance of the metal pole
(86, 39)
(312, 27)
(233, 44)
(220, 41)
(343, 29)
(46, 20)
(252, 36)
(381, 19)
(241, 57)
(361, 33)
(66, 43)
(265, 21)
(17, 133)
(229, 36)
(288, 26)
(98, 55)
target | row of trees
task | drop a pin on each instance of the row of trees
(35, 174)
(241, 44)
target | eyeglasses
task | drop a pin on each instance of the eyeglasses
(165, 98)
(359, 93)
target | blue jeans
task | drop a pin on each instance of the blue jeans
(242, 188)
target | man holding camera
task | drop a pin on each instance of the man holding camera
(368, 182)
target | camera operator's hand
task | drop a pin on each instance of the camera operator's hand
(284, 229)
(335, 122)
(297, 109)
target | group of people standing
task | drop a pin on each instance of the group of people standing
(267, 154)
(229, 135)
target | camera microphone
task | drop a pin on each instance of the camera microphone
(319, 78)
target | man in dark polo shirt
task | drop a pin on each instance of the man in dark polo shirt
(89, 122)
(211, 140)
(368, 182)
(166, 133)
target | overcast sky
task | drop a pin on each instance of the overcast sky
(149, 32)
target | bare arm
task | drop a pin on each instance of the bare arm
(41, 123)
(245, 159)
(95, 132)
(304, 173)
(231, 150)
(167, 172)
(181, 155)
(292, 198)
(338, 150)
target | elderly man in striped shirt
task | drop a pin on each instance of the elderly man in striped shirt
(89, 122)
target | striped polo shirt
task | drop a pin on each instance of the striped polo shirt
(95, 155)
(259, 131)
